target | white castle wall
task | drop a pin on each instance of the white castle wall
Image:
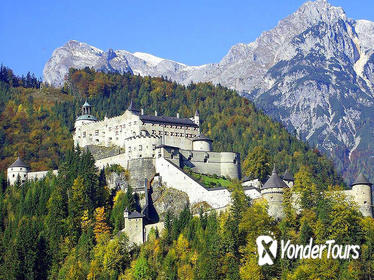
(120, 159)
(225, 164)
(115, 131)
(147, 229)
(252, 193)
(142, 146)
(108, 132)
(37, 175)
(174, 177)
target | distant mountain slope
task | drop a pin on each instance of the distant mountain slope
(314, 71)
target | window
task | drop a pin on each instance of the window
(153, 147)
(140, 147)
(84, 134)
(129, 149)
(96, 132)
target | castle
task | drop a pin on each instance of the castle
(159, 148)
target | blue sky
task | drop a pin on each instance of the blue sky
(192, 32)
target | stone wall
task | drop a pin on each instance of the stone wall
(120, 159)
(172, 176)
(114, 131)
(134, 229)
(139, 170)
(40, 174)
(225, 164)
(252, 192)
(147, 229)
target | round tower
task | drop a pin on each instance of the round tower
(273, 191)
(202, 143)
(361, 191)
(86, 116)
(17, 169)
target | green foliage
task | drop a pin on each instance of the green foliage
(221, 109)
(48, 227)
(257, 164)
(209, 181)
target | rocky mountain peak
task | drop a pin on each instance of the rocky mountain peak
(314, 72)
(320, 10)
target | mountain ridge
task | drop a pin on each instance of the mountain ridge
(314, 72)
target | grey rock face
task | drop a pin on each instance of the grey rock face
(168, 199)
(314, 72)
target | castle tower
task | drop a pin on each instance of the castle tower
(273, 191)
(197, 118)
(361, 191)
(86, 108)
(86, 116)
(134, 226)
(202, 143)
(17, 169)
(288, 178)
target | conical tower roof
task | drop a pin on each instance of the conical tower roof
(361, 180)
(132, 107)
(274, 181)
(86, 104)
(18, 163)
(287, 176)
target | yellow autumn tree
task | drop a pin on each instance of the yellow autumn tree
(101, 227)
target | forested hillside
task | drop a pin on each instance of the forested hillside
(67, 227)
(37, 123)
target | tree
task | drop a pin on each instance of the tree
(101, 228)
(257, 164)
